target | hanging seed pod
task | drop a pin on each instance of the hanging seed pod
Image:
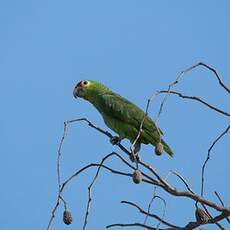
(137, 176)
(201, 216)
(67, 217)
(159, 149)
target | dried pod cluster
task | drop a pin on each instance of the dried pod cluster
(137, 176)
(67, 217)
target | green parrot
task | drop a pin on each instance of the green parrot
(120, 115)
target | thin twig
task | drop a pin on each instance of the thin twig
(106, 133)
(53, 214)
(59, 154)
(180, 75)
(183, 72)
(90, 188)
(137, 225)
(183, 180)
(141, 125)
(208, 157)
(150, 204)
(221, 201)
(196, 99)
(190, 226)
(216, 75)
(164, 210)
(59, 177)
(142, 122)
(150, 215)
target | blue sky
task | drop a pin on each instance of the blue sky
(134, 47)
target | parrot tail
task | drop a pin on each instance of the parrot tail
(167, 149)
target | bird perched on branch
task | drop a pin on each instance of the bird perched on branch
(121, 115)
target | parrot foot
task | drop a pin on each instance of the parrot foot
(115, 140)
(134, 157)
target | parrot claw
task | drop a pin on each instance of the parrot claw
(115, 140)
(134, 157)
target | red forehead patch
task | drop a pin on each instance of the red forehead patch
(79, 83)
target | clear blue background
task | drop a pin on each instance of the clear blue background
(134, 47)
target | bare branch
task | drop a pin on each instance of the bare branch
(216, 75)
(183, 72)
(137, 225)
(58, 177)
(173, 191)
(164, 210)
(90, 188)
(222, 203)
(196, 99)
(150, 204)
(141, 125)
(183, 180)
(106, 133)
(142, 122)
(59, 154)
(180, 75)
(91, 125)
(208, 157)
(149, 214)
(53, 214)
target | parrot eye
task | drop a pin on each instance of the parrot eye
(85, 82)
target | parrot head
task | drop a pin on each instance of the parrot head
(81, 88)
(87, 89)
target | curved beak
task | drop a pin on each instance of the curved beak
(75, 92)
